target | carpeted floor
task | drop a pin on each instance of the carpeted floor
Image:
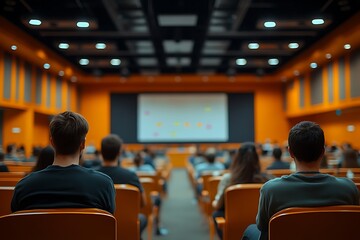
(180, 213)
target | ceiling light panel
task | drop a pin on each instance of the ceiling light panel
(176, 62)
(147, 62)
(215, 47)
(177, 20)
(171, 46)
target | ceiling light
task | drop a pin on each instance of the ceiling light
(64, 45)
(13, 47)
(115, 62)
(46, 66)
(253, 46)
(100, 46)
(270, 24)
(313, 65)
(273, 61)
(347, 46)
(61, 73)
(84, 61)
(241, 61)
(328, 56)
(318, 21)
(293, 45)
(83, 24)
(35, 22)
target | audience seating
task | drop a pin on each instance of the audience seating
(127, 211)
(279, 172)
(342, 172)
(6, 194)
(149, 210)
(59, 224)
(330, 223)
(156, 177)
(12, 174)
(241, 205)
(213, 183)
(9, 182)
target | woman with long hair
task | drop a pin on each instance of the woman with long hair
(245, 168)
(45, 158)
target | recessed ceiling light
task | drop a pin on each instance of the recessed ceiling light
(13, 47)
(318, 21)
(115, 62)
(64, 45)
(313, 65)
(61, 73)
(273, 61)
(83, 24)
(328, 56)
(100, 46)
(241, 61)
(35, 22)
(46, 66)
(269, 24)
(347, 46)
(84, 61)
(293, 45)
(253, 46)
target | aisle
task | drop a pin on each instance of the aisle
(180, 214)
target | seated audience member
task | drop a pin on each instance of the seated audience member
(305, 188)
(93, 163)
(149, 157)
(209, 165)
(349, 159)
(45, 159)
(35, 154)
(278, 163)
(324, 162)
(3, 167)
(11, 153)
(245, 168)
(110, 151)
(65, 184)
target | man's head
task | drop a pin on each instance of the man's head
(111, 147)
(277, 153)
(68, 132)
(306, 142)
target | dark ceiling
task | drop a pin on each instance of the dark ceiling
(178, 36)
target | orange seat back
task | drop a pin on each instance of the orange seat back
(127, 212)
(9, 182)
(330, 223)
(6, 194)
(241, 206)
(59, 224)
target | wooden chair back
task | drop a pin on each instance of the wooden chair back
(12, 174)
(342, 172)
(59, 224)
(20, 168)
(127, 212)
(330, 223)
(279, 172)
(241, 206)
(9, 182)
(154, 176)
(6, 194)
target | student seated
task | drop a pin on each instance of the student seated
(305, 188)
(209, 165)
(65, 184)
(3, 167)
(278, 163)
(45, 159)
(245, 168)
(110, 151)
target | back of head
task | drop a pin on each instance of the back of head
(138, 159)
(277, 153)
(210, 157)
(2, 156)
(45, 158)
(111, 147)
(350, 158)
(68, 131)
(306, 141)
(245, 164)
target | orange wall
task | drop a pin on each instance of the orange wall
(41, 128)
(94, 100)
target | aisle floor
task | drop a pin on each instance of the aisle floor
(181, 214)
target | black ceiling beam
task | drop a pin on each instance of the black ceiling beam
(149, 12)
(202, 29)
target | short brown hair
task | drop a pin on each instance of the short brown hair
(110, 147)
(68, 130)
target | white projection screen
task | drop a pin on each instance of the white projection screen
(182, 117)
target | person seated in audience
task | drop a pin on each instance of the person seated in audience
(3, 167)
(209, 165)
(305, 188)
(11, 153)
(149, 157)
(278, 163)
(35, 154)
(65, 184)
(94, 163)
(324, 162)
(156, 200)
(45, 159)
(245, 168)
(110, 151)
(349, 159)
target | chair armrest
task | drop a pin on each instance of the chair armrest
(220, 221)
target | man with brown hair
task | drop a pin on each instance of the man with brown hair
(65, 184)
